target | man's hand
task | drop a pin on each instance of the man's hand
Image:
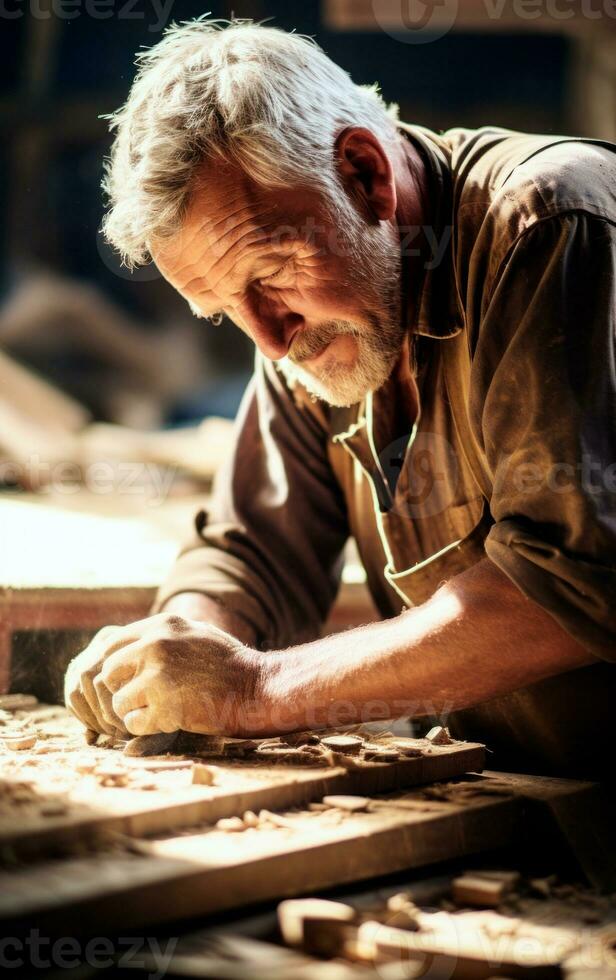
(162, 674)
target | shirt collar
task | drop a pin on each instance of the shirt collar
(439, 311)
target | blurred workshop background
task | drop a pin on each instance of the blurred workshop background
(124, 346)
(105, 377)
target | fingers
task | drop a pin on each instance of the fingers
(76, 702)
(142, 721)
(132, 697)
(148, 704)
(90, 694)
(150, 720)
(86, 698)
(105, 699)
(120, 668)
(112, 661)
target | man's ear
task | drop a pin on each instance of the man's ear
(366, 170)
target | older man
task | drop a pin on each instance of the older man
(435, 318)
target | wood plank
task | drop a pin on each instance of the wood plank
(212, 870)
(92, 809)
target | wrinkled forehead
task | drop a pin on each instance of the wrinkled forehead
(229, 217)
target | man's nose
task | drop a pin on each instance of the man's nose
(271, 327)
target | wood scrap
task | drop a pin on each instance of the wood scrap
(17, 702)
(438, 736)
(344, 744)
(350, 803)
(202, 775)
(471, 889)
(18, 743)
(231, 824)
(317, 926)
(402, 912)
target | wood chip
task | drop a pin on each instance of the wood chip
(294, 914)
(234, 748)
(161, 765)
(345, 744)
(85, 765)
(19, 743)
(382, 755)
(439, 736)
(17, 702)
(478, 891)
(402, 913)
(230, 825)
(266, 816)
(202, 775)
(509, 878)
(351, 803)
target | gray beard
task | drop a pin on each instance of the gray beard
(376, 277)
(340, 385)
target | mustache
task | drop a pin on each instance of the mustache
(311, 342)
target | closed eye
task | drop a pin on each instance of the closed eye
(275, 276)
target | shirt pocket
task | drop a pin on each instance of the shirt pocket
(444, 548)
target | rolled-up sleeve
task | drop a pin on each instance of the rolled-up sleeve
(270, 546)
(544, 404)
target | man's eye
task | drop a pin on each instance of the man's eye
(275, 276)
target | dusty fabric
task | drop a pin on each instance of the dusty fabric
(512, 453)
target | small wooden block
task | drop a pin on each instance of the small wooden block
(202, 775)
(439, 736)
(351, 803)
(294, 914)
(479, 891)
(509, 878)
(345, 744)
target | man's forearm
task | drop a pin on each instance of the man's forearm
(477, 638)
(195, 605)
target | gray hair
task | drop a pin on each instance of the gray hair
(262, 98)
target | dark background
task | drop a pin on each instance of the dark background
(59, 75)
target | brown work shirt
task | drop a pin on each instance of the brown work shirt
(510, 454)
